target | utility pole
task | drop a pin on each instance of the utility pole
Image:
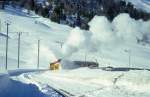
(0, 26)
(59, 42)
(7, 24)
(97, 62)
(129, 52)
(19, 45)
(38, 63)
(19, 34)
(85, 58)
(130, 59)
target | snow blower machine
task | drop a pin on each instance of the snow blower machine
(55, 65)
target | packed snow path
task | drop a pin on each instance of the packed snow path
(86, 82)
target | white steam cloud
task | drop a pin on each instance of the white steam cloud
(46, 55)
(106, 34)
(101, 29)
(75, 40)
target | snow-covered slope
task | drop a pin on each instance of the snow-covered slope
(32, 29)
(14, 88)
(110, 44)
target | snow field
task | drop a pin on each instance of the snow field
(93, 82)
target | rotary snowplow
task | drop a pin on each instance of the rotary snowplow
(55, 65)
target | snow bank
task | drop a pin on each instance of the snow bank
(92, 82)
(11, 88)
(4, 81)
(136, 81)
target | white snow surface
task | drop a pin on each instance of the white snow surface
(14, 88)
(92, 82)
(32, 28)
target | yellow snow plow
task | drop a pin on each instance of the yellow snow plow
(55, 65)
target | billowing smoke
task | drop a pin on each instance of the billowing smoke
(46, 55)
(105, 34)
(101, 30)
(74, 42)
(126, 28)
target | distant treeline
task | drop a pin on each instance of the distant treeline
(80, 12)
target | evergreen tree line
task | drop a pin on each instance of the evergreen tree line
(58, 10)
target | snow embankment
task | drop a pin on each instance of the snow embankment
(14, 88)
(92, 82)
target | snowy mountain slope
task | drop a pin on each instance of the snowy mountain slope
(110, 44)
(32, 29)
(98, 44)
(93, 82)
(146, 1)
(21, 11)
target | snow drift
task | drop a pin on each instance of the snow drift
(93, 82)
(12, 88)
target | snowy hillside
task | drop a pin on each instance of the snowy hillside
(32, 28)
(123, 45)
(111, 44)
